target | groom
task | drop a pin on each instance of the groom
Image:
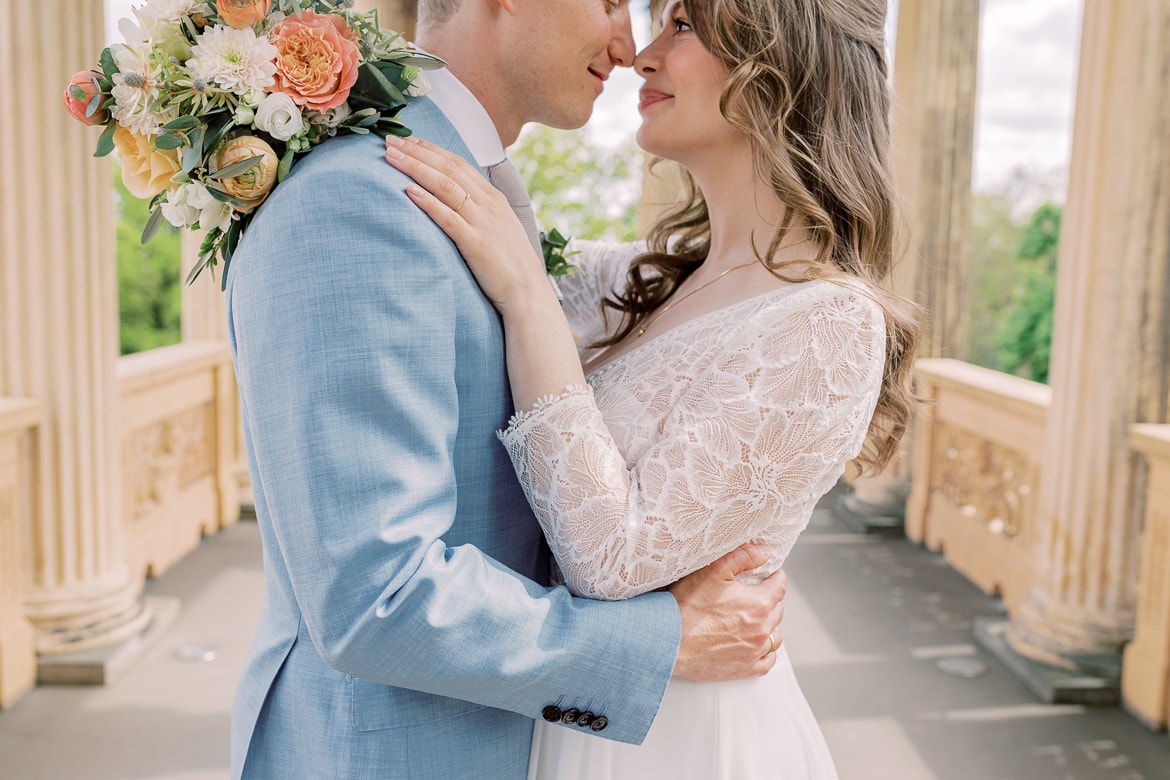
(406, 630)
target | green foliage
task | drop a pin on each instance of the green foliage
(149, 292)
(995, 237)
(1013, 286)
(581, 189)
(1024, 338)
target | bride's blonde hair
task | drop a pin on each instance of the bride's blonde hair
(807, 83)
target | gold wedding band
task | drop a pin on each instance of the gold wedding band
(771, 646)
(466, 197)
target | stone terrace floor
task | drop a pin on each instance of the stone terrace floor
(868, 621)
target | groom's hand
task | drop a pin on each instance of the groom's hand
(729, 630)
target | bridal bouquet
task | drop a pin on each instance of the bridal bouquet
(210, 104)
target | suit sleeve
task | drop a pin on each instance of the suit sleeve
(342, 308)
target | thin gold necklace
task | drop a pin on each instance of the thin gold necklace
(646, 324)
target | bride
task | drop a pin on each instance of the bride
(731, 365)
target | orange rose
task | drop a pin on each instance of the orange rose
(254, 184)
(76, 105)
(146, 171)
(242, 13)
(317, 62)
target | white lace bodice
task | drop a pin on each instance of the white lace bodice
(725, 429)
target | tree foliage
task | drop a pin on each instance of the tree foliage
(1013, 286)
(1024, 339)
(149, 276)
(582, 189)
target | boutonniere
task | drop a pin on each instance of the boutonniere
(556, 262)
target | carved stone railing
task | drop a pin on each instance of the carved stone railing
(19, 419)
(180, 455)
(1145, 678)
(977, 457)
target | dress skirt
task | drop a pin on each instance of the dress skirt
(756, 729)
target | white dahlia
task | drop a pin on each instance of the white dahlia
(236, 60)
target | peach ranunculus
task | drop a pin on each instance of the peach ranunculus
(146, 171)
(76, 102)
(318, 63)
(242, 13)
(253, 185)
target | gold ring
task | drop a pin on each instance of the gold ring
(466, 197)
(771, 646)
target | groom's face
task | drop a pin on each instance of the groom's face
(569, 50)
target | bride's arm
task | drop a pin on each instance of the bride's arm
(758, 438)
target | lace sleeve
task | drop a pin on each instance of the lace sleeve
(601, 269)
(757, 436)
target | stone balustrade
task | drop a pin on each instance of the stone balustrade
(1145, 677)
(180, 456)
(977, 458)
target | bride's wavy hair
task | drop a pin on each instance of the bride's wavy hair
(808, 85)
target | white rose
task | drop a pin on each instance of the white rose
(279, 116)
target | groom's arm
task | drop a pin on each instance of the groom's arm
(344, 321)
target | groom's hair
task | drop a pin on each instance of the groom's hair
(432, 12)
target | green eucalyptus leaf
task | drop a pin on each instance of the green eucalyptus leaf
(183, 123)
(77, 93)
(152, 224)
(223, 197)
(91, 107)
(169, 141)
(109, 67)
(199, 266)
(236, 168)
(105, 143)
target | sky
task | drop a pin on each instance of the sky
(1027, 77)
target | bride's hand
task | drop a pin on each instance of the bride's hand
(475, 215)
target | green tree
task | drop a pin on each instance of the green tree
(149, 278)
(996, 237)
(1024, 338)
(582, 189)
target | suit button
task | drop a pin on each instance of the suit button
(551, 713)
(585, 719)
(570, 716)
(599, 723)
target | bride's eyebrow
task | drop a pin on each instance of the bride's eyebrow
(668, 11)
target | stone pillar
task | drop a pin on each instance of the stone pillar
(935, 68)
(400, 15)
(1109, 365)
(18, 659)
(59, 322)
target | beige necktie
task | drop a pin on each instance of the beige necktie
(505, 178)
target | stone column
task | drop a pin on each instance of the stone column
(935, 68)
(1109, 365)
(59, 322)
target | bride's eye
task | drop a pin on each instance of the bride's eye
(681, 25)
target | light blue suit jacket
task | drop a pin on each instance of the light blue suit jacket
(406, 630)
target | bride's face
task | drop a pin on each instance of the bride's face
(679, 102)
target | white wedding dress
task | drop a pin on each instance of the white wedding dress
(725, 429)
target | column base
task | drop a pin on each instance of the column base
(1090, 680)
(866, 517)
(104, 665)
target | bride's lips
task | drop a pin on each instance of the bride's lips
(648, 97)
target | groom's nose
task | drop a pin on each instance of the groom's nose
(621, 45)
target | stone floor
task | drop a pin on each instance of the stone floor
(870, 620)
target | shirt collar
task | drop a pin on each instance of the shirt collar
(468, 115)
